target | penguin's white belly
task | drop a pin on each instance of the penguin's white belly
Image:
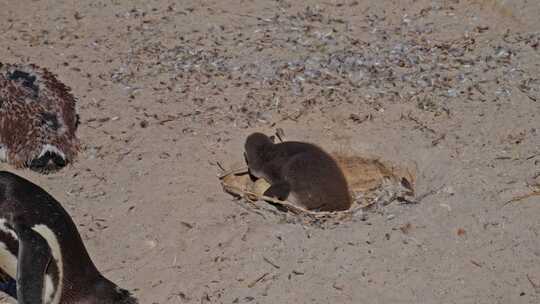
(3, 153)
(52, 293)
(8, 262)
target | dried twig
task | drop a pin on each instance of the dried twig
(420, 124)
(292, 116)
(475, 263)
(252, 284)
(220, 166)
(271, 263)
(234, 171)
(536, 286)
(428, 193)
(251, 197)
(280, 134)
(522, 197)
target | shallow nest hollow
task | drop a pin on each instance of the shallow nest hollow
(373, 184)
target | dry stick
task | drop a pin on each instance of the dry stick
(428, 193)
(290, 116)
(280, 134)
(475, 263)
(246, 195)
(420, 124)
(289, 206)
(522, 197)
(255, 208)
(533, 156)
(220, 166)
(234, 171)
(527, 94)
(271, 263)
(250, 285)
(536, 286)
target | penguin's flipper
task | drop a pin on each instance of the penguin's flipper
(279, 190)
(33, 260)
(9, 287)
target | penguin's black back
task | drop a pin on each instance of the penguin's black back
(26, 204)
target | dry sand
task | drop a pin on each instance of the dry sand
(168, 89)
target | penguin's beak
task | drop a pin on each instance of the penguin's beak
(48, 162)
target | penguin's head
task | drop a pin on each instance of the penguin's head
(50, 159)
(256, 146)
(40, 131)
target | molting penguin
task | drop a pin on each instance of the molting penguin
(38, 119)
(300, 172)
(42, 250)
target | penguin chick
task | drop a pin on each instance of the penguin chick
(41, 249)
(38, 119)
(301, 173)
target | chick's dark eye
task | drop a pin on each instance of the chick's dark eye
(27, 80)
(50, 120)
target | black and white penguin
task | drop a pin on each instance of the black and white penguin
(299, 172)
(38, 119)
(41, 249)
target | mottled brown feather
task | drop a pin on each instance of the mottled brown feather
(22, 130)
